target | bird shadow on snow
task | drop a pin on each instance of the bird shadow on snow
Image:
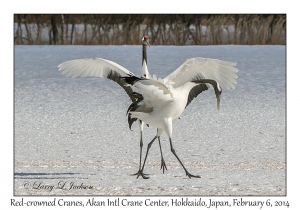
(46, 176)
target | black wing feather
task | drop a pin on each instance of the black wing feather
(116, 77)
(195, 91)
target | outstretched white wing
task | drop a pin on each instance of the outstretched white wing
(94, 67)
(97, 67)
(223, 72)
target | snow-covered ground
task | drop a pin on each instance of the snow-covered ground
(75, 130)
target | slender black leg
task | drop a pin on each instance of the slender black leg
(141, 149)
(140, 172)
(163, 164)
(187, 173)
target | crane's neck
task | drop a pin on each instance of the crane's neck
(144, 53)
(145, 72)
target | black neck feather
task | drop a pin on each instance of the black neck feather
(144, 53)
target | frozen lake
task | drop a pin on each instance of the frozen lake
(75, 130)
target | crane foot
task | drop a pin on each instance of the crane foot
(163, 165)
(140, 173)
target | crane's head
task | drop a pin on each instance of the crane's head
(145, 40)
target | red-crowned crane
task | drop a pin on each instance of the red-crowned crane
(145, 74)
(157, 102)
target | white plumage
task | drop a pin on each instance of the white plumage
(158, 102)
(96, 67)
(223, 72)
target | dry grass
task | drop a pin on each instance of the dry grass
(162, 29)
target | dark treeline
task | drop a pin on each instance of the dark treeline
(171, 29)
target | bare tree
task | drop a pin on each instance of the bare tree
(170, 29)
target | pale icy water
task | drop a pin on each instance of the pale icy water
(75, 130)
